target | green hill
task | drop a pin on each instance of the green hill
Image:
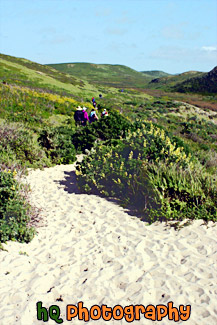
(23, 72)
(167, 83)
(206, 83)
(105, 74)
(156, 73)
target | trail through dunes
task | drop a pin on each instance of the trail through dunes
(90, 249)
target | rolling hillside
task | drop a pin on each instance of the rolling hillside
(156, 74)
(167, 83)
(105, 74)
(206, 83)
(40, 95)
(23, 72)
(120, 76)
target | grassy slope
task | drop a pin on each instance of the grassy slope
(43, 69)
(26, 73)
(206, 83)
(156, 74)
(23, 72)
(124, 77)
(29, 92)
(167, 83)
(106, 74)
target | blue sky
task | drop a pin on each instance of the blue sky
(173, 36)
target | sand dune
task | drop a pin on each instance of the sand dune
(89, 249)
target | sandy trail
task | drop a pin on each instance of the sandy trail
(92, 250)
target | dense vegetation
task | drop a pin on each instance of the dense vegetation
(203, 84)
(14, 211)
(153, 154)
(155, 171)
(169, 83)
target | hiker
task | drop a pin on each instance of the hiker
(104, 113)
(93, 117)
(78, 116)
(85, 116)
(93, 102)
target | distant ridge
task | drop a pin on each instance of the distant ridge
(206, 83)
(115, 75)
(156, 73)
(169, 82)
(77, 77)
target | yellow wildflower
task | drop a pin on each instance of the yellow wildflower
(130, 155)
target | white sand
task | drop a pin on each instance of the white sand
(92, 250)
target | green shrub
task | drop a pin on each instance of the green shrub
(18, 145)
(151, 170)
(13, 211)
(114, 126)
(57, 143)
(111, 174)
(184, 192)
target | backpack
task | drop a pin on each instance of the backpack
(79, 116)
(92, 117)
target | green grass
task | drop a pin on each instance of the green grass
(168, 82)
(15, 72)
(105, 74)
(156, 73)
(205, 83)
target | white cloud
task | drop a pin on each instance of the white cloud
(47, 30)
(172, 32)
(116, 31)
(179, 54)
(103, 12)
(178, 32)
(56, 39)
(124, 19)
(209, 48)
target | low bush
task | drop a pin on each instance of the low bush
(58, 144)
(13, 211)
(114, 126)
(17, 144)
(109, 173)
(184, 192)
(151, 170)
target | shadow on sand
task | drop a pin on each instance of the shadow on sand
(70, 183)
(71, 186)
